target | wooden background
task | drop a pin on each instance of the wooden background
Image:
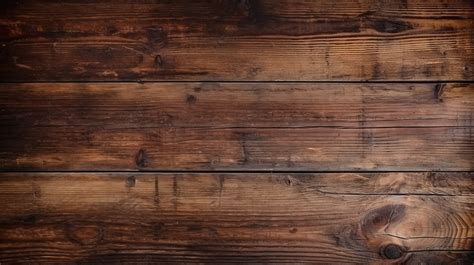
(272, 131)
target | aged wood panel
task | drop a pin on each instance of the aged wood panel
(236, 126)
(236, 40)
(324, 218)
(313, 149)
(209, 104)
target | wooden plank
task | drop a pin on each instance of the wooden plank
(236, 126)
(409, 218)
(236, 40)
(209, 104)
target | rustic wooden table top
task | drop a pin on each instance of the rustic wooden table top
(221, 131)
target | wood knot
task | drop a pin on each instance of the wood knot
(84, 234)
(29, 219)
(379, 218)
(391, 251)
(36, 191)
(158, 229)
(389, 26)
(156, 36)
(140, 159)
(438, 91)
(254, 11)
(130, 182)
(158, 60)
(111, 30)
(191, 99)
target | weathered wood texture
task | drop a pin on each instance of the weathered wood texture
(236, 40)
(371, 207)
(415, 218)
(236, 126)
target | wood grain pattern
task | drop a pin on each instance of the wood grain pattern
(388, 218)
(186, 132)
(236, 40)
(236, 126)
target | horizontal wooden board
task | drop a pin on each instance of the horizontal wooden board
(210, 104)
(236, 126)
(236, 40)
(337, 218)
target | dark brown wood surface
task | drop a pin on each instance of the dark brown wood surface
(237, 126)
(237, 131)
(335, 218)
(263, 40)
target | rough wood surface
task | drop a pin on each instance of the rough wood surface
(410, 218)
(236, 40)
(235, 102)
(232, 126)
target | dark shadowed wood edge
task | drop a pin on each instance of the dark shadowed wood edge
(365, 218)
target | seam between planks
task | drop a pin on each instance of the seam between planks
(244, 81)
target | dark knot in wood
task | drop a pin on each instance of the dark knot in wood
(391, 251)
(140, 159)
(130, 182)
